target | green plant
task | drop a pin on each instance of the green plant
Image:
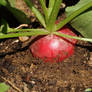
(18, 14)
(76, 15)
(88, 90)
(3, 87)
(48, 21)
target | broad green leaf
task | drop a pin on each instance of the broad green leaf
(19, 15)
(12, 2)
(8, 2)
(81, 3)
(83, 24)
(3, 2)
(73, 15)
(3, 87)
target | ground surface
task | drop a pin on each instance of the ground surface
(26, 74)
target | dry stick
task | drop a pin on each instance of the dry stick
(21, 26)
(28, 41)
(23, 38)
(13, 86)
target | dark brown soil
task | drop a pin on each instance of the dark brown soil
(26, 74)
(31, 75)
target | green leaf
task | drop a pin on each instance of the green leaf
(31, 33)
(3, 87)
(4, 26)
(36, 12)
(43, 4)
(73, 15)
(72, 37)
(88, 90)
(12, 2)
(3, 2)
(19, 15)
(53, 16)
(51, 5)
(11, 30)
(7, 2)
(83, 24)
(81, 3)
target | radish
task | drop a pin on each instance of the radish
(54, 48)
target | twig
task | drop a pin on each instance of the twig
(21, 26)
(24, 38)
(13, 86)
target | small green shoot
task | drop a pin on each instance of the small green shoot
(3, 87)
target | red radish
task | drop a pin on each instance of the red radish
(54, 48)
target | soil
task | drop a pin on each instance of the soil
(24, 73)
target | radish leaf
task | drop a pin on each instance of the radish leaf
(12, 2)
(80, 4)
(31, 33)
(19, 15)
(83, 24)
(3, 2)
(4, 26)
(22, 18)
(3, 87)
(53, 15)
(73, 15)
